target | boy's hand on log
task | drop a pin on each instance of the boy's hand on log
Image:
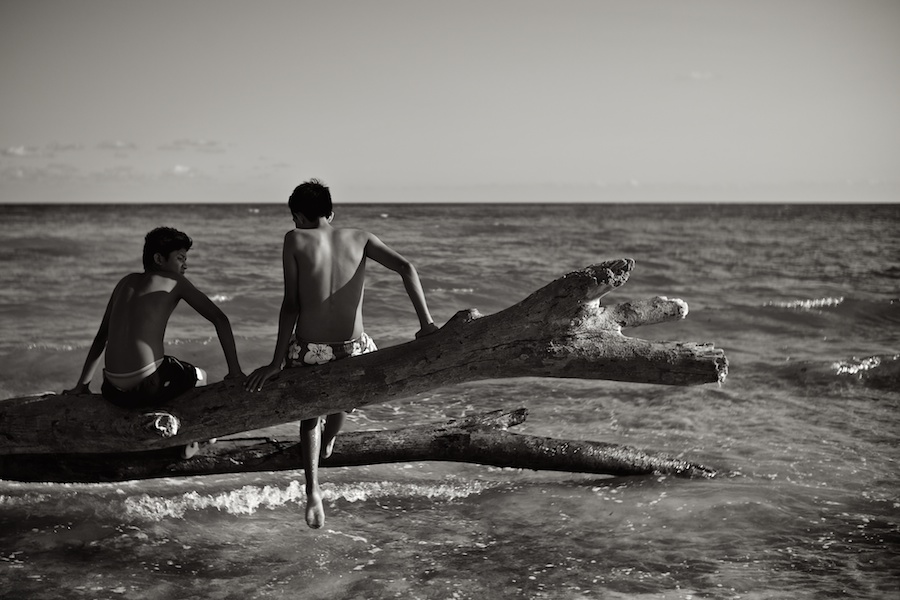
(260, 376)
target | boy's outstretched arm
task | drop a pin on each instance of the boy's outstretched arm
(212, 313)
(389, 258)
(287, 319)
(93, 357)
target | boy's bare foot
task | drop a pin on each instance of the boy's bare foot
(194, 447)
(315, 512)
(331, 426)
(190, 450)
(328, 448)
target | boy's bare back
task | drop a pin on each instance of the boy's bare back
(330, 268)
(325, 268)
(140, 308)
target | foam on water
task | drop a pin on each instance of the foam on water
(881, 372)
(461, 290)
(807, 304)
(249, 499)
(858, 366)
(120, 501)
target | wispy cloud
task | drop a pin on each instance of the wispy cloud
(46, 173)
(266, 165)
(699, 76)
(57, 147)
(21, 151)
(118, 173)
(182, 171)
(192, 145)
(117, 146)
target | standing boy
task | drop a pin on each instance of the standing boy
(138, 374)
(321, 314)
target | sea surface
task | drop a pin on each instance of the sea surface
(805, 431)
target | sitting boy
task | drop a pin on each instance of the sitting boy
(321, 313)
(138, 374)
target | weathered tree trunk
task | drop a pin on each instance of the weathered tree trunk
(478, 439)
(559, 331)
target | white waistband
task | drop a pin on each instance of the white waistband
(126, 381)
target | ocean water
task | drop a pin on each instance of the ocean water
(805, 431)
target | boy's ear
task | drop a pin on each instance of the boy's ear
(158, 258)
(330, 216)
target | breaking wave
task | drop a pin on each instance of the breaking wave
(463, 290)
(876, 372)
(807, 304)
(249, 499)
(880, 371)
(246, 500)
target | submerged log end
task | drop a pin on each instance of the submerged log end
(628, 460)
(507, 449)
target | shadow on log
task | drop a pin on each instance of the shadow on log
(480, 439)
(560, 330)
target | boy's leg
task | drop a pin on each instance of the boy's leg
(310, 443)
(333, 424)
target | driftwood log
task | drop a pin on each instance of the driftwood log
(480, 439)
(561, 330)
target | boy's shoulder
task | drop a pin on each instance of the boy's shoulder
(132, 279)
(352, 232)
(150, 279)
(298, 235)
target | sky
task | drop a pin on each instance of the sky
(238, 101)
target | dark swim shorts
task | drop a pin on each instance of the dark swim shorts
(170, 380)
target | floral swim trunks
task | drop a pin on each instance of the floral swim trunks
(302, 353)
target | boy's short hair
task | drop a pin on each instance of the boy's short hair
(311, 199)
(164, 240)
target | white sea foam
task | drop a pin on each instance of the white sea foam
(371, 490)
(859, 366)
(808, 304)
(249, 499)
(49, 346)
(221, 298)
(452, 290)
(246, 500)
(29, 499)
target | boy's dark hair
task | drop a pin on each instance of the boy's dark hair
(164, 240)
(311, 199)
